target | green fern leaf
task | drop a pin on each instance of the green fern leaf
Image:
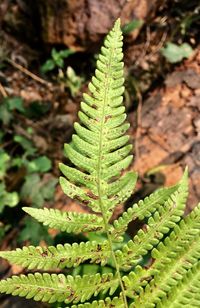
(60, 256)
(159, 224)
(116, 302)
(172, 263)
(142, 209)
(186, 292)
(67, 221)
(60, 288)
(179, 251)
(99, 148)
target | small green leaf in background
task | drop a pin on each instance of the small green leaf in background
(48, 66)
(25, 144)
(48, 189)
(132, 25)
(15, 103)
(66, 53)
(30, 130)
(5, 115)
(188, 21)
(41, 164)
(18, 162)
(30, 191)
(176, 53)
(4, 159)
(10, 199)
(57, 60)
(34, 232)
(71, 80)
(7, 106)
(36, 191)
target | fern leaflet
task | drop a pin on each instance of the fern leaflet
(60, 256)
(61, 288)
(68, 222)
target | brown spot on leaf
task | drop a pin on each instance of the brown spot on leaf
(91, 195)
(107, 118)
(44, 253)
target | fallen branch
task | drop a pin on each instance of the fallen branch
(3, 91)
(27, 72)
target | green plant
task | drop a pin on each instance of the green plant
(70, 80)
(132, 25)
(8, 105)
(31, 185)
(57, 60)
(67, 78)
(175, 53)
(10, 199)
(160, 265)
(7, 198)
(33, 189)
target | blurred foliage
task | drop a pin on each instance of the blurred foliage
(66, 77)
(70, 80)
(176, 53)
(132, 25)
(7, 106)
(10, 199)
(188, 21)
(56, 60)
(36, 191)
(32, 184)
(34, 232)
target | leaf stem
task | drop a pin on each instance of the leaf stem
(111, 249)
(117, 268)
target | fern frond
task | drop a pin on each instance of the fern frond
(67, 221)
(60, 256)
(186, 292)
(177, 245)
(172, 263)
(163, 257)
(59, 288)
(159, 224)
(142, 209)
(182, 235)
(116, 302)
(99, 149)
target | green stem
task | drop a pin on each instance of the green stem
(111, 248)
(117, 268)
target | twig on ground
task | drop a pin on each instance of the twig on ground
(3, 91)
(160, 45)
(146, 46)
(27, 72)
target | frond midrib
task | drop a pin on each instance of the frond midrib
(99, 168)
